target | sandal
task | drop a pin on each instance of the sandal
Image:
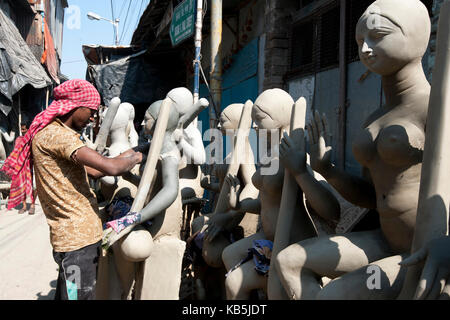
(22, 210)
(31, 211)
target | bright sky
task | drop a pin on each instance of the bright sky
(79, 30)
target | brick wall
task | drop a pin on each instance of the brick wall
(277, 26)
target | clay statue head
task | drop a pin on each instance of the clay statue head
(123, 116)
(151, 115)
(230, 116)
(272, 109)
(182, 105)
(391, 34)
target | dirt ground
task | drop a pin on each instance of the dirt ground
(27, 268)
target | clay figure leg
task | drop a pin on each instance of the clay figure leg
(241, 281)
(380, 280)
(302, 265)
(235, 252)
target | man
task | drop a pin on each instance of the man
(61, 164)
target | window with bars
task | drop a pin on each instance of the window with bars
(315, 39)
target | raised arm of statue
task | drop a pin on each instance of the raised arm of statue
(168, 193)
(191, 143)
(354, 189)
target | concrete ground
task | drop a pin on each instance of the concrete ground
(27, 268)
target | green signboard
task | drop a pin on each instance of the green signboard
(183, 22)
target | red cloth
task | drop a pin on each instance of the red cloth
(68, 96)
(49, 55)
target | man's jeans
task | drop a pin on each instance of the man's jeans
(77, 273)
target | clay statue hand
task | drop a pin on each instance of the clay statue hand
(116, 229)
(234, 186)
(88, 142)
(435, 279)
(320, 144)
(205, 181)
(292, 155)
(217, 224)
(178, 135)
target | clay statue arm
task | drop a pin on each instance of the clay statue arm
(8, 137)
(160, 202)
(434, 281)
(194, 149)
(206, 183)
(354, 189)
(132, 178)
(169, 192)
(98, 166)
(223, 221)
(250, 204)
(319, 197)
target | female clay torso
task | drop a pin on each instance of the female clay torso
(391, 147)
(168, 222)
(270, 191)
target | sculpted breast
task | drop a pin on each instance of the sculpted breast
(401, 144)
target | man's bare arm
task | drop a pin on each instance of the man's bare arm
(98, 165)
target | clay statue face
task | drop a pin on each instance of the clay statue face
(389, 36)
(229, 117)
(149, 119)
(272, 109)
(152, 114)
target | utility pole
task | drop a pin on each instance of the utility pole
(216, 60)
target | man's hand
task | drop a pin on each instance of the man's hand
(292, 155)
(434, 282)
(320, 144)
(118, 228)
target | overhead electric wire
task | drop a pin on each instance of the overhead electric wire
(113, 18)
(126, 18)
(121, 9)
(139, 15)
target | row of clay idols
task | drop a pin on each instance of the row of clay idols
(298, 264)
(389, 148)
(147, 259)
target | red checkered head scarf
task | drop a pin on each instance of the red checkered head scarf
(68, 96)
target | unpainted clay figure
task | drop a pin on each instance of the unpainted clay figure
(271, 111)
(119, 136)
(8, 137)
(150, 256)
(392, 36)
(219, 226)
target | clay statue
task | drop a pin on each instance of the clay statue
(9, 138)
(193, 155)
(213, 232)
(119, 137)
(389, 147)
(148, 258)
(272, 112)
